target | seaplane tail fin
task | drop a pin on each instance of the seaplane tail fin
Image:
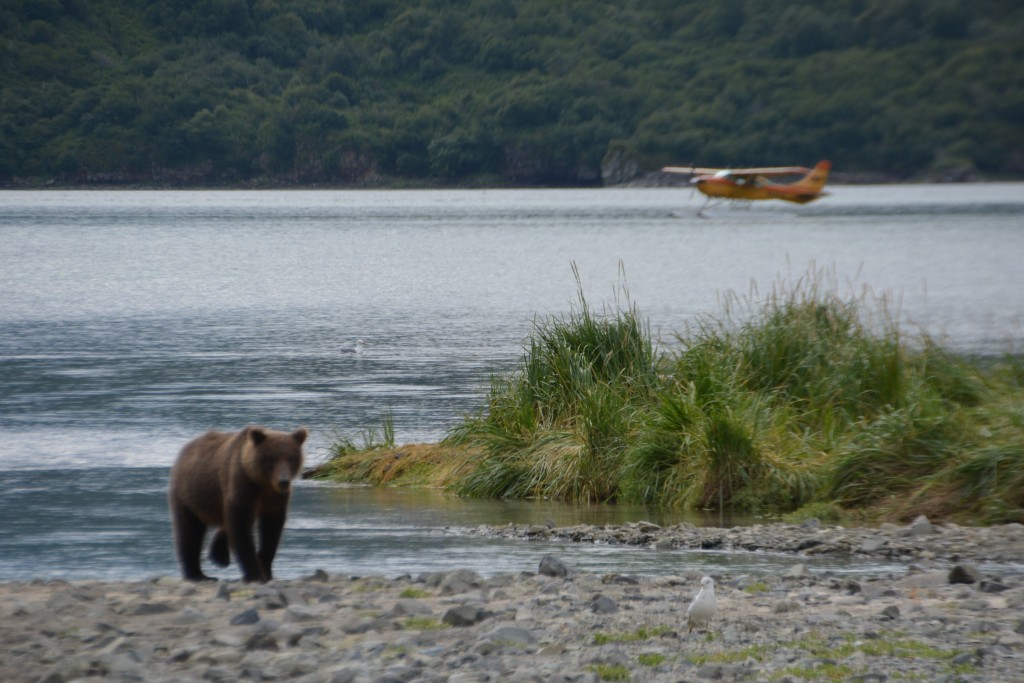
(813, 182)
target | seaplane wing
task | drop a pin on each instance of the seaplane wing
(766, 171)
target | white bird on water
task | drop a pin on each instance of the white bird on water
(703, 608)
(358, 348)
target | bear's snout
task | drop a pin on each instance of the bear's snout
(282, 477)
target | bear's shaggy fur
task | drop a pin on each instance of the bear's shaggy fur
(233, 481)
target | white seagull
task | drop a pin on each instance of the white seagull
(703, 608)
(358, 348)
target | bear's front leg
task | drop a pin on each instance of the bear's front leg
(271, 526)
(239, 529)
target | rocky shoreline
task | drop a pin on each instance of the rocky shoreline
(941, 620)
(919, 541)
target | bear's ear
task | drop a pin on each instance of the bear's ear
(257, 435)
(300, 435)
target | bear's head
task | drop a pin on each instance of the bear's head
(274, 458)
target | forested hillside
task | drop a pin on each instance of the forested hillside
(567, 92)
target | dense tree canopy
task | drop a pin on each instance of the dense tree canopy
(503, 91)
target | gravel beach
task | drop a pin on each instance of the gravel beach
(954, 615)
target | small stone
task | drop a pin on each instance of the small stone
(870, 677)
(797, 571)
(964, 573)
(965, 659)
(186, 590)
(552, 566)
(146, 609)
(227, 640)
(934, 579)
(785, 606)
(294, 613)
(271, 598)
(1010, 639)
(298, 665)
(992, 586)
(620, 579)
(262, 641)
(408, 607)
(871, 545)
(319, 576)
(921, 526)
(343, 675)
(890, 612)
(602, 604)
(112, 646)
(710, 672)
(219, 673)
(511, 634)
(460, 581)
(183, 654)
(465, 615)
(249, 616)
(189, 615)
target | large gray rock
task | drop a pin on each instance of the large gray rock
(992, 586)
(511, 634)
(964, 573)
(465, 615)
(921, 526)
(602, 604)
(552, 566)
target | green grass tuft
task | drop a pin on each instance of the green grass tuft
(798, 400)
(424, 624)
(610, 672)
(651, 658)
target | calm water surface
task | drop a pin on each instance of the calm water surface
(131, 321)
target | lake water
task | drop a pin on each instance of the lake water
(132, 321)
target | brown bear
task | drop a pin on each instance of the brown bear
(232, 482)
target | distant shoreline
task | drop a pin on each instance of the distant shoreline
(647, 180)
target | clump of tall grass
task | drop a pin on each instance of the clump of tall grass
(557, 427)
(760, 395)
(802, 397)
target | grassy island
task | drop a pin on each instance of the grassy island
(801, 402)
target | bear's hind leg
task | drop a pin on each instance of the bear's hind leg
(220, 549)
(188, 536)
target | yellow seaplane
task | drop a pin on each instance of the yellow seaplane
(756, 183)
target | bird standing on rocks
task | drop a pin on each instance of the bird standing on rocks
(703, 608)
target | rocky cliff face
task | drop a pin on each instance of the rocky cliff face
(617, 168)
